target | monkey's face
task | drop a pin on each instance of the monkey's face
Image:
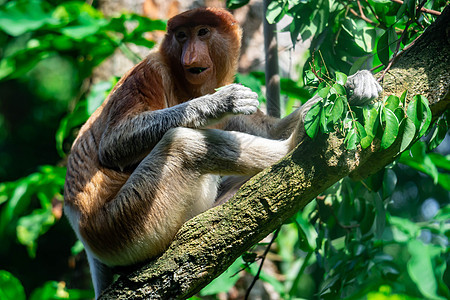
(196, 61)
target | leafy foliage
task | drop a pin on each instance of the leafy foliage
(351, 34)
(386, 120)
(41, 30)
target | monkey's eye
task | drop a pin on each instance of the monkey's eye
(181, 35)
(203, 31)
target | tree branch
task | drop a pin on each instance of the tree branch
(423, 9)
(206, 245)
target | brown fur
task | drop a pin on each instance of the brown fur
(155, 83)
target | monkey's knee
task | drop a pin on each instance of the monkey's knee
(184, 142)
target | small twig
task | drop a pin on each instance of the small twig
(262, 262)
(362, 17)
(360, 9)
(423, 9)
(374, 14)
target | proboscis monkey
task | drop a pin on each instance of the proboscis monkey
(151, 156)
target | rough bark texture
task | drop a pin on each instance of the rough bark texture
(206, 245)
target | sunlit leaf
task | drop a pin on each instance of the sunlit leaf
(391, 129)
(19, 17)
(392, 102)
(323, 92)
(341, 78)
(233, 4)
(307, 234)
(408, 131)
(58, 290)
(420, 268)
(30, 227)
(338, 89)
(10, 287)
(406, 226)
(225, 281)
(351, 139)
(419, 112)
(371, 122)
(275, 11)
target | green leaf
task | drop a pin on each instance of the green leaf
(225, 281)
(384, 43)
(323, 92)
(403, 98)
(392, 102)
(426, 121)
(82, 112)
(337, 109)
(408, 132)
(371, 122)
(312, 119)
(420, 161)
(233, 4)
(10, 287)
(275, 11)
(411, 8)
(77, 248)
(411, 229)
(391, 130)
(341, 78)
(30, 227)
(389, 183)
(366, 39)
(420, 268)
(307, 234)
(98, 94)
(440, 161)
(19, 17)
(443, 214)
(439, 133)
(53, 290)
(351, 139)
(338, 89)
(419, 112)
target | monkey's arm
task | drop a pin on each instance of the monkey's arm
(127, 141)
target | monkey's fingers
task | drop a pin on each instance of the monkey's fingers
(246, 106)
(363, 87)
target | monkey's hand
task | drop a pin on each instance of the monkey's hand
(362, 88)
(236, 99)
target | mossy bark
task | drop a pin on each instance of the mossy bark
(206, 245)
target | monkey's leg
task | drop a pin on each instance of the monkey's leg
(102, 275)
(176, 181)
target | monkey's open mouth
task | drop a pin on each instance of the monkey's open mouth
(196, 70)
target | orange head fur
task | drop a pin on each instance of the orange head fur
(222, 50)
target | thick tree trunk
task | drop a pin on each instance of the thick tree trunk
(206, 245)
